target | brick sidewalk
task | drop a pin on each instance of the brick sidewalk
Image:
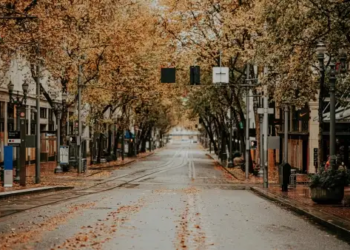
(73, 179)
(301, 194)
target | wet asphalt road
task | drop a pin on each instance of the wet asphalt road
(174, 199)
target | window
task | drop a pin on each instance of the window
(11, 126)
(43, 113)
(50, 115)
(32, 129)
(2, 109)
(10, 111)
(2, 126)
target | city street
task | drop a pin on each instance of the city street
(174, 199)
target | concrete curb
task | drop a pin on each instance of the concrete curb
(330, 222)
(15, 193)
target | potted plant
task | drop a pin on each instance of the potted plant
(327, 186)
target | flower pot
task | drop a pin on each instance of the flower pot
(327, 195)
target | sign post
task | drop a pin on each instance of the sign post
(8, 166)
(265, 111)
(14, 138)
(22, 148)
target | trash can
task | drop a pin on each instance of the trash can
(284, 175)
(293, 178)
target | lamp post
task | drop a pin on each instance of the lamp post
(58, 108)
(321, 49)
(230, 158)
(332, 103)
(332, 80)
(19, 103)
(65, 110)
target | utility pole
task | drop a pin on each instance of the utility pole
(332, 80)
(261, 170)
(18, 156)
(80, 127)
(67, 134)
(266, 130)
(286, 134)
(22, 147)
(265, 111)
(230, 158)
(320, 57)
(58, 168)
(247, 152)
(37, 145)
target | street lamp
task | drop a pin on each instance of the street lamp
(19, 103)
(58, 108)
(332, 88)
(321, 50)
(332, 80)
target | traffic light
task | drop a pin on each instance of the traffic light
(195, 78)
(168, 75)
(253, 144)
(73, 139)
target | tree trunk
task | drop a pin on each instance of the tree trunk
(116, 140)
(99, 147)
(109, 148)
(209, 131)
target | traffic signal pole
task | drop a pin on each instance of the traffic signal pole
(247, 152)
(37, 144)
(79, 123)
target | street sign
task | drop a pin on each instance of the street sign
(64, 154)
(220, 75)
(273, 142)
(14, 138)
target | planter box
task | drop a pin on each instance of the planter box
(327, 196)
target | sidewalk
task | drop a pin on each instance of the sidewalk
(335, 217)
(50, 180)
(234, 174)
